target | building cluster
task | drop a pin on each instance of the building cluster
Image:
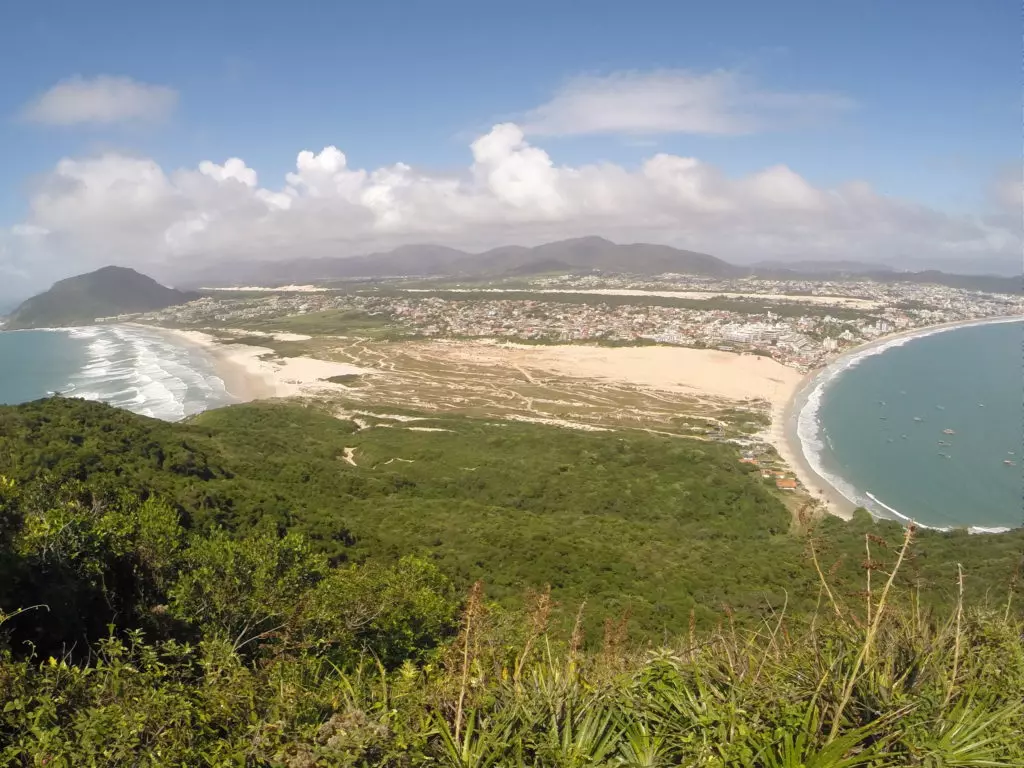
(803, 337)
(888, 293)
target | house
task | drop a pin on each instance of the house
(786, 484)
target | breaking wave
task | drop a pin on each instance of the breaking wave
(144, 372)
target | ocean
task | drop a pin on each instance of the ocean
(928, 428)
(134, 368)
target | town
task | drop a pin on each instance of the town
(801, 324)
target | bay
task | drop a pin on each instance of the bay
(932, 429)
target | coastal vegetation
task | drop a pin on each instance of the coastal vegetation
(273, 585)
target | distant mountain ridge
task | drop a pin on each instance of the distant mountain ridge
(824, 267)
(81, 299)
(584, 254)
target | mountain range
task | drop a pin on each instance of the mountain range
(104, 293)
(582, 255)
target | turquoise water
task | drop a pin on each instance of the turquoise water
(879, 433)
(34, 363)
(134, 368)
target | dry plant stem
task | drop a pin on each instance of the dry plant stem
(693, 633)
(576, 641)
(824, 583)
(956, 641)
(471, 608)
(870, 636)
(538, 626)
(773, 633)
(1013, 586)
(867, 549)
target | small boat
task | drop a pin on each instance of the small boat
(981, 405)
(948, 432)
(940, 407)
(888, 439)
(945, 456)
(903, 437)
(918, 418)
(943, 442)
(881, 402)
(1009, 463)
(1009, 453)
(883, 418)
(903, 391)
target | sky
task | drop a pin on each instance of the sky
(170, 136)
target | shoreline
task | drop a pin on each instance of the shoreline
(785, 429)
(242, 384)
(249, 376)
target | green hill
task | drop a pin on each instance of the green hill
(665, 527)
(268, 585)
(104, 293)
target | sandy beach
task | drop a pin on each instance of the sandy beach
(784, 438)
(252, 373)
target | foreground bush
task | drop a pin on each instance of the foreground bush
(837, 691)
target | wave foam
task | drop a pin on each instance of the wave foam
(141, 371)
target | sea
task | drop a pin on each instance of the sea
(928, 428)
(130, 367)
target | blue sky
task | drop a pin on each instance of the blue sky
(922, 99)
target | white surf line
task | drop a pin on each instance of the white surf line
(911, 521)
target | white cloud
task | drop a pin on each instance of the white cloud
(128, 210)
(675, 101)
(101, 100)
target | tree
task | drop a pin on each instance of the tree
(245, 590)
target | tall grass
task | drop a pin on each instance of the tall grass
(871, 684)
(869, 680)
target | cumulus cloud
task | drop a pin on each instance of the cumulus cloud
(675, 101)
(101, 100)
(113, 208)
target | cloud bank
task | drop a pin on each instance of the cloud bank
(676, 101)
(118, 209)
(101, 100)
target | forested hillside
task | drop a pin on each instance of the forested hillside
(658, 526)
(272, 585)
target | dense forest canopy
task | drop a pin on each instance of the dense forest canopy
(272, 585)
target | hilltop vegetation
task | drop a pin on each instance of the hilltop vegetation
(661, 527)
(104, 293)
(233, 591)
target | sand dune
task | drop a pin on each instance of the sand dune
(674, 369)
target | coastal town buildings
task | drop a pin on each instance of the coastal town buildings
(801, 324)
